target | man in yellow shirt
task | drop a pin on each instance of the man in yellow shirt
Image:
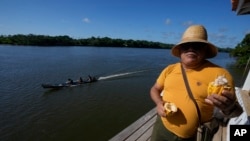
(193, 50)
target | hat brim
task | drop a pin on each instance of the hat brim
(212, 50)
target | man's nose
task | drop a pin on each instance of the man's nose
(191, 49)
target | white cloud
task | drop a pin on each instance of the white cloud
(86, 20)
(188, 23)
(247, 32)
(167, 21)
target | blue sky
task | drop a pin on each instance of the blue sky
(152, 20)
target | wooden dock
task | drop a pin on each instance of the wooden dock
(140, 130)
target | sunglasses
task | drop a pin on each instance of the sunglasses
(194, 46)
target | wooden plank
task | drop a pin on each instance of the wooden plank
(147, 135)
(142, 130)
(130, 130)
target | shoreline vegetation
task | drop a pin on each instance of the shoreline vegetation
(45, 40)
(241, 51)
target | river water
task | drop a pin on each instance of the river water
(91, 112)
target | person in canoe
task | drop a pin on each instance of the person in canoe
(91, 79)
(80, 80)
(70, 81)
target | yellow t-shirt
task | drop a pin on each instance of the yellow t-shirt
(185, 121)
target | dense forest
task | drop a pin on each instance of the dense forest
(241, 51)
(41, 40)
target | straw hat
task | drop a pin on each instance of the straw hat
(195, 33)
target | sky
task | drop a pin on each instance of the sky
(152, 20)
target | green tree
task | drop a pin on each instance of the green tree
(242, 52)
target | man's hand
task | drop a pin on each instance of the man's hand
(225, 101)
(160, 109)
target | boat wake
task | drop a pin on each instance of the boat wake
(120, 74)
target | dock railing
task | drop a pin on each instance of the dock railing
(140, 130)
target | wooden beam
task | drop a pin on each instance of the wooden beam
(139, 130)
